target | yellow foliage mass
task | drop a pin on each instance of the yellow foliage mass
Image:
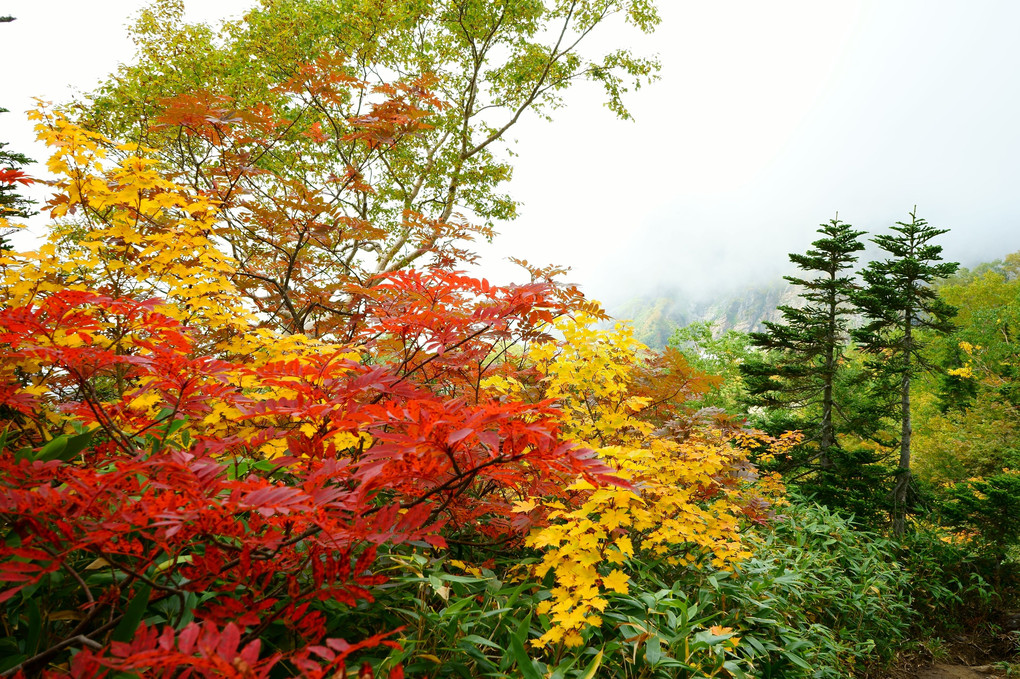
(122, 228)
(676, 503)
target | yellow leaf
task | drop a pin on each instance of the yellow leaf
(616, 581)
(523, 506)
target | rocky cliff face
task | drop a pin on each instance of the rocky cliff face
(656, 317)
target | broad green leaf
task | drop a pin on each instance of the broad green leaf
(132, 615)
(520, 655)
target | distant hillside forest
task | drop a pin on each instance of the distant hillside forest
(656, 316)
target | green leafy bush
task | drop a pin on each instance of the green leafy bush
(951, 586)
(817, 599)
(988, 509)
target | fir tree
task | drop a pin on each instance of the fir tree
(799, 371)
(899, 304)
(12, 204)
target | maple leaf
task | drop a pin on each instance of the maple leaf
(616, 581)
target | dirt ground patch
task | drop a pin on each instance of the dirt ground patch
(959, 672)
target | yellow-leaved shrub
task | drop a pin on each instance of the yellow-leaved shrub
(681, 497)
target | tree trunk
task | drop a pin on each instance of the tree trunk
(903, 475)
(828, 436)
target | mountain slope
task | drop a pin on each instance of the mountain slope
(656, 316)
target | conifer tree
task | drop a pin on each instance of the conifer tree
(899, 305)
(799, 372)
(12, 204)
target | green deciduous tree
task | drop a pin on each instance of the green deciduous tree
(718, 354)
(988, 509)
(968, 422)
(469, 71)
(901, 306)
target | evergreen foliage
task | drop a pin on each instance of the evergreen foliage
(900, 304)
(806, 346)
(12, 204)
(802, 378)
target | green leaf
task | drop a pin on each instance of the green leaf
(133, 615)
(593, 666)
(24, 454)
(190, 604)
(172, 428)
(449, 577)
(735, 669)
(34, 628)
(7, 662)
(797, 660)
(456, 607)
(169, 430)
(521, 657)
(76, 444)
(653, 651)
(482, 641)
(64, 448)
(174, 563)
(52, 449)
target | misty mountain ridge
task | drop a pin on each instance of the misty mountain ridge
(656, 316)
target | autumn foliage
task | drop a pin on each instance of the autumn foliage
(216, 425)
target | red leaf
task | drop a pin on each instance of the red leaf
(459, 435)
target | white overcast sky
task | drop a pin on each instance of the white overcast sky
(771, 116)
